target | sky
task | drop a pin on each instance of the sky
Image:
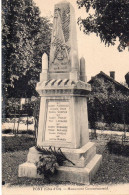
(98, 57)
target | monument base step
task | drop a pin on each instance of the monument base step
(80, 157)
(65, 173)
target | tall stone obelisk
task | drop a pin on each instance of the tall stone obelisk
(63, 120)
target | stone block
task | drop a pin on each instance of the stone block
(28, 170)
(33, 155)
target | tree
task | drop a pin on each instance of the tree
(25, 37)
(105, 101)
(109, 20)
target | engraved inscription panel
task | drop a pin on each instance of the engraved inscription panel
(58, 121)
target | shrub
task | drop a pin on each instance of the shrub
(6, 131)
(12, 107)
(114, 147)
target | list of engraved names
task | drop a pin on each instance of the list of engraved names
(57, 125)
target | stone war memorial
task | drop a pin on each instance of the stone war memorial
(63, 119)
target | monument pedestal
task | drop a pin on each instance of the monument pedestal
(85, 159)
(63, 123)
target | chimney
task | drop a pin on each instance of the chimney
(127, 78)
(112, 74)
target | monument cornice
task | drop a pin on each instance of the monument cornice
(67, 92)
(63, 87)
(64, 84)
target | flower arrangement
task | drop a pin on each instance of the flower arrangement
(50, 160)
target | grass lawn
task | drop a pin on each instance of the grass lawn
(17, 143)
(114, 168)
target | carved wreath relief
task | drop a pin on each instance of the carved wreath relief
(59, 54)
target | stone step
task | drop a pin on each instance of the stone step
(71, 174)
(94, 165)
(80, 157)
(79, 175)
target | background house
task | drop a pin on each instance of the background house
(110, 79)
(108, 101)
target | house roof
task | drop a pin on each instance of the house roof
(110, 79)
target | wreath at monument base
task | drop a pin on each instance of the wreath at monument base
(49, 161)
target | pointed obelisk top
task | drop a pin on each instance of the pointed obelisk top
(63, 51)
